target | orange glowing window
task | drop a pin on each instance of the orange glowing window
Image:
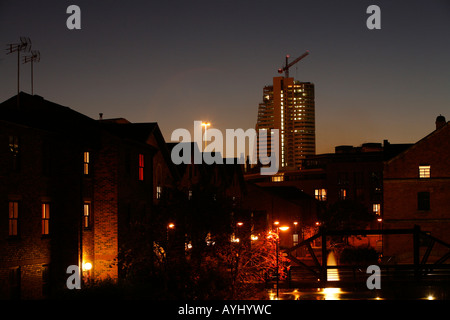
(320, 194)
(87, 215)
(86, 163)
(141, 167)
(45, 218)
(377, 209)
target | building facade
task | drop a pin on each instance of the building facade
(288, 106)
(81, 192)
(72, 188)
(416, 189)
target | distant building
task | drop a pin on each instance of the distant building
(351, 173)
(288, 106)
(284, 204)
(416, 191)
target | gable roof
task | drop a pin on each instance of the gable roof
(438, 131)
(34, 111)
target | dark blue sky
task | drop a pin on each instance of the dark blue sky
(174, 62)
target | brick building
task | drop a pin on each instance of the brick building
(79, 191)
(351, 173)
(417, 192)
(71, 186)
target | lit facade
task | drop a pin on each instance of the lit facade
(288, 106)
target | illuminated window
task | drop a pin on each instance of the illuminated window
(295, 239)
(424, 171)
(87, 215)
(343, 194)
(377, 209)
(190, 194)
(13, 218)
(277, 178)
(14, 144)
(320, 194)
(423, 201)
(141, 167)
(158, 192)
(45, 218)
(86, 163)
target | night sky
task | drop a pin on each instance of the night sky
(174, 62)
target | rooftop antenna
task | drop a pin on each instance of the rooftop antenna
(35, 57)
(25, 46)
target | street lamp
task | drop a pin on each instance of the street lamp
(206, 125)
(169, 226)
(283, 228)
(238, 225)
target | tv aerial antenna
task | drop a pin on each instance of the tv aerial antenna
(35, 57)
(23, 46)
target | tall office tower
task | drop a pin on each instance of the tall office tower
(288, 106)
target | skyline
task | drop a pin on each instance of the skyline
(127, 60)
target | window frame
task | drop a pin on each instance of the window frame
(423, 201)
(141, 166)
(86, 163)
(45, 219)
(13, 221)
(320, 194)
(424, 171)
(87, 218)
(158, 192)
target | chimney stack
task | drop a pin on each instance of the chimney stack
(440, 122)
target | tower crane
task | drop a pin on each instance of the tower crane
(288, 65)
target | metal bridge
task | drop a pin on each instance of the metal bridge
(316, 272)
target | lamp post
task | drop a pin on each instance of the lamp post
(206, 125)
(284, 228)
(169, 226)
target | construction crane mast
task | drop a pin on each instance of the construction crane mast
(288, 65)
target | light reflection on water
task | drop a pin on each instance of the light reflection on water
(313, 294)
(338, 294)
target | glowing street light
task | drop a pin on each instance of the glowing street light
(282, 228)
(170, 226)
(87, 266)
(206, 125)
